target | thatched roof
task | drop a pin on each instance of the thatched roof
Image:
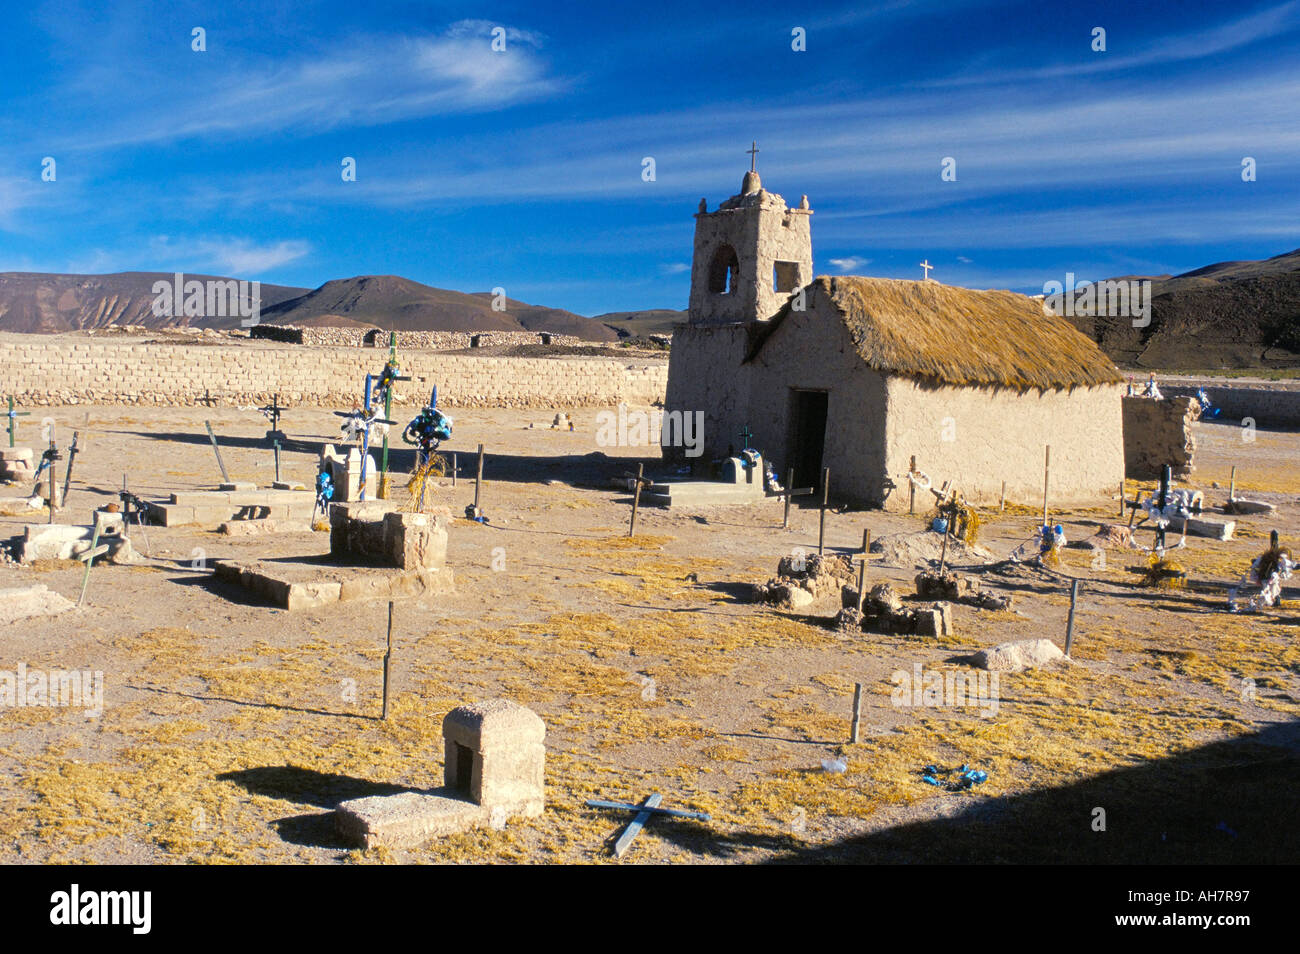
(957, 336)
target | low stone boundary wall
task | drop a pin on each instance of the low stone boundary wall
(406, 340)
(1271, 407)
(43, 372)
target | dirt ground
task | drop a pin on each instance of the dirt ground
(230, 729)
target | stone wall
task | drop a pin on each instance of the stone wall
(1266, 406)
(1157, 433)
(42, 371)
(406, 340)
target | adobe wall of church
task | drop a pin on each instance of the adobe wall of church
(979, 437)
(705, 374)
(811, 350)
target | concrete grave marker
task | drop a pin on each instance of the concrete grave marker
(493, 770)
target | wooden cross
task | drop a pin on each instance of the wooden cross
(745, 435)
(927, 266)
(790, 491)
(644, 812)
(13, 419)
(641, 481)
(753, 151)
(272, 413)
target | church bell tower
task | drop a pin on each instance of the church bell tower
(751, 255)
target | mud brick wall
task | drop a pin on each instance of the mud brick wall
(41, 371)
(1157, 433)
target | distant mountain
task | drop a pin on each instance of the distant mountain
(639, 324)
(1230, 315)
(39, 302)
(399, 304)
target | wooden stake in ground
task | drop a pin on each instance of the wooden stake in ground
(72, 456)
(1232, 482)
(1137, 504)
(388, 658)
(862, 581)
(225, 478)
(790, 493)
(821, 520)
(636, 498)
(1121, 500)
(1069, 626)
(911, 488)
(1002, 506)
(857, 711)
(13, 419)
(947, 531)
(1047, 469)
(478, 481)
(89, 556)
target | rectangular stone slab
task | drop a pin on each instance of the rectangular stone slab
(299, 586)
(1205, 527)
(407, 820)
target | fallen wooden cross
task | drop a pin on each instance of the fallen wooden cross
(644, 812)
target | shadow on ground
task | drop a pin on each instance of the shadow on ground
(309, 787)
(1231, 802)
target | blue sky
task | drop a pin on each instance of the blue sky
(523, 168)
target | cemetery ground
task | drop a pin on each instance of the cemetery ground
(230, 729)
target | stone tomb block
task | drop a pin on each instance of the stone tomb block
(16, 463)
(495, 756)
(345, 470)
(371, 532)
(494, 769)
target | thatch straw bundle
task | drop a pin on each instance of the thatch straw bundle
(960, 337)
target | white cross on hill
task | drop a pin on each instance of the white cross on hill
(927, 266)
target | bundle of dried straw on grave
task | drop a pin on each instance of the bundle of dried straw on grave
(1164, 573)
(1270, 561)
(963, 520)
(420, 486)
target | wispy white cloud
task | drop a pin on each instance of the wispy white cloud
(233, 256)
(1158, 49)
(370, 82)
(850, 263)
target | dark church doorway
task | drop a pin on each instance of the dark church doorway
(807, 436)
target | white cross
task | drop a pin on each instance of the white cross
(927, 266)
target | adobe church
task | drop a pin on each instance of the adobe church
(862, 374)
